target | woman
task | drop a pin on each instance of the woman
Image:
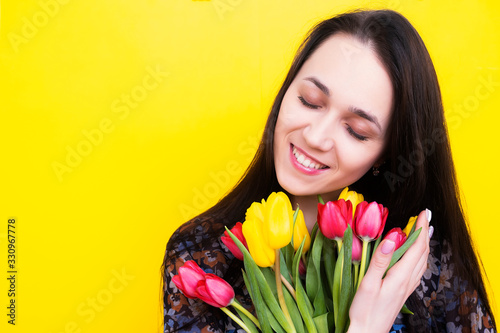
(360, 107)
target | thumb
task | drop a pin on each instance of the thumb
(381, 259)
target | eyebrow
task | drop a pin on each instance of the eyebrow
(365, 115)
(318, 84)
(357, 111)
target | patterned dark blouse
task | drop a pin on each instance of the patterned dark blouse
(450, 304)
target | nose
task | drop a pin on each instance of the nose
(318, 134)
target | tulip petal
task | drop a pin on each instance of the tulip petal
(300, 232)
(278, 220)
(262, 254)
(202, 293)
(219, 290)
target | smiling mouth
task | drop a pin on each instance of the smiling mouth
(307, 161)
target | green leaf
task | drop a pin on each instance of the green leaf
(303, 302)
(270, 300)
(273, 322)
(399, 252)
(250, 325)
(336, 285)
(329, 261)
(288, 253)
(346, 291)
(294, 311)
(324, 322)
(285, 271)
(314, 285)
(313, 268)
(315, 231)
(253, 285)
(405, 310)
(271, 280)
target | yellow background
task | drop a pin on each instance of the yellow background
(187, 133)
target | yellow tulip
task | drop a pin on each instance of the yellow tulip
(300, 232)
(352, 196)
(410, 224)
(278, 220)
(256, 211)
(263, 255)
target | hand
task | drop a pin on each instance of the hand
(378, 301)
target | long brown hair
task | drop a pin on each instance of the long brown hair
(418, 172)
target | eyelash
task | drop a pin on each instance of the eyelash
(356, 135)
(307, 104)
(349, 128)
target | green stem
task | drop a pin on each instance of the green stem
(236, 319)
(289, 287)
(320, 199)
(339, 247)
(238, 306)
(279, 288)
(363, 263)
(356, 272)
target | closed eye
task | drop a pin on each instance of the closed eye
(356, 135)
(307, 104)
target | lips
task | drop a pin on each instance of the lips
(304, 162)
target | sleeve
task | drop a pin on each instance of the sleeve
(444, 302)
(455, 305)
(194, 241)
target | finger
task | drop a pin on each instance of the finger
(380, 262)
(418, 249)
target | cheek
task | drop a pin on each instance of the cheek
(358, 159)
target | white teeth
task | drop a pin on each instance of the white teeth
(305, 161)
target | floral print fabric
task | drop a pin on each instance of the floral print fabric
(450, 304)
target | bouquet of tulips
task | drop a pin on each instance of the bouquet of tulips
(298, 282)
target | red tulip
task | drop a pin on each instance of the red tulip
(302, 268)
(187, 279)
(397, 236)
(228, 241)
(357, 249)
(369, 220)
(215, 291)
(333, 218)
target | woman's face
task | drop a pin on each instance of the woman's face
(333, 121)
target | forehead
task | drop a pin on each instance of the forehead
(353, 73)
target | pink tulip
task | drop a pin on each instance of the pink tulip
(369, 220)
(357, 249)
(215, 291)
(334, 217)
(187, 279)
(397, 236)
(228, 241)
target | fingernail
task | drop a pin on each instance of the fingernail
(428, 214)
(431, 231)
(388, 246)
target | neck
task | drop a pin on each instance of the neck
(309, 206)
